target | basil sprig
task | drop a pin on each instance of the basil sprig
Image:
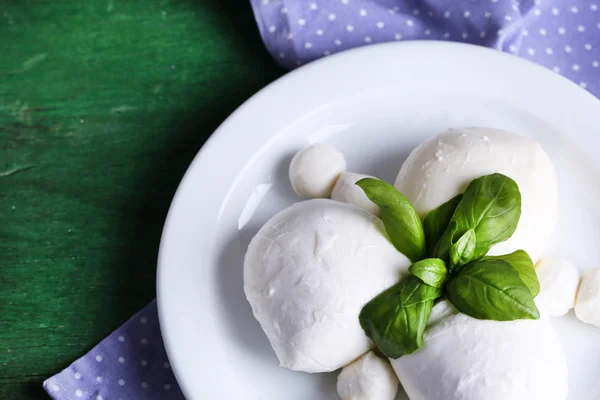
(456, 237)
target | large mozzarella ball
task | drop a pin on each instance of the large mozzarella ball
(464, 358)
(315, 169)
(307, 274)
(587, 304)
(368, 378)
(559, 280)
(346, 191)
(442, 167)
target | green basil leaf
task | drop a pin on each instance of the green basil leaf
(401, 221)
(394, 329)
(436, 222)
(414, 291)
(491, 206)
(522, 263)
(463, 250)
(491, 289)
(432, 271)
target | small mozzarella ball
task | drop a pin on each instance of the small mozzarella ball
(315, 169)
(559, 280)
(587, 305)
(346, 191)
(368, 378)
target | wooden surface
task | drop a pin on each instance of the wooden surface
(103, 104)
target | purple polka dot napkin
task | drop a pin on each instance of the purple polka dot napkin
(563, 35)
(130, 364)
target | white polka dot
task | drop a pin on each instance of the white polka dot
(595, 64)
(121, 360)
(581, 28)
(77, 375)
(576, 67)
(482, 35)
(121, 382)
(556, 69)
(574, 10)
(549, 50)
(467, 14)
(446, 35)
(583, 84)
(290, 36)
(525, 32)
(409, 22)
(416, 12)
(337, 42)
(301, 21)
(265, 2)
(121, 339)
(427, 32)
(512, 48)
(543, 32)
(271, 29)
(598, 25)
(363, 13)
(313, 6)
(307, 45)
(555, 11)
(530, 51)
(515, 7)
(464, 35)
(349, 28)
(144, 341)
(568, 49)
(319, 32)
(326, 53)
(494, 1)
(368, 39)
(345, 1)
(99, 397)
(537, 12)
(392, 11)
(78, 393)
(587, 46)
(55, 388)
(167, 386)
(99, 358)
(487, 14)
(508, 17)
(144, 363)
(331, 17)
(594, 7)
(144, 385)
(447, 14)
(99, 379)
(381, 25)
(500, 32)
(397, 36)
(284, 10)
(143, 320)
(167, 365)
(561, 30)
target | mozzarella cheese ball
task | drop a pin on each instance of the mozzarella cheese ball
(587, 304)
(307, 274)
(346, 191)
(315, 169)
(559, 280)
(464, 358)
(368, 378)
(443, 166)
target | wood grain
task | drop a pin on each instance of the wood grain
(103, 104)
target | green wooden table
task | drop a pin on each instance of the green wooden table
(103, 104)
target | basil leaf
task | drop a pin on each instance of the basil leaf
(414, 291)
(491, 289)
(522, 263)
(491, 206)
(463, 250)
(401, 221)
(394, 329)
(432, 271)
(436, 222)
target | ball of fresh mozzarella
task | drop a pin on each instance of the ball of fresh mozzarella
(368, 378)
(559, 280)
(315, 169)
(587, 304)
(346, 191)
(464, 358)
(307, 274)
(442, 167)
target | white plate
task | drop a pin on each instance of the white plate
(375, 104)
